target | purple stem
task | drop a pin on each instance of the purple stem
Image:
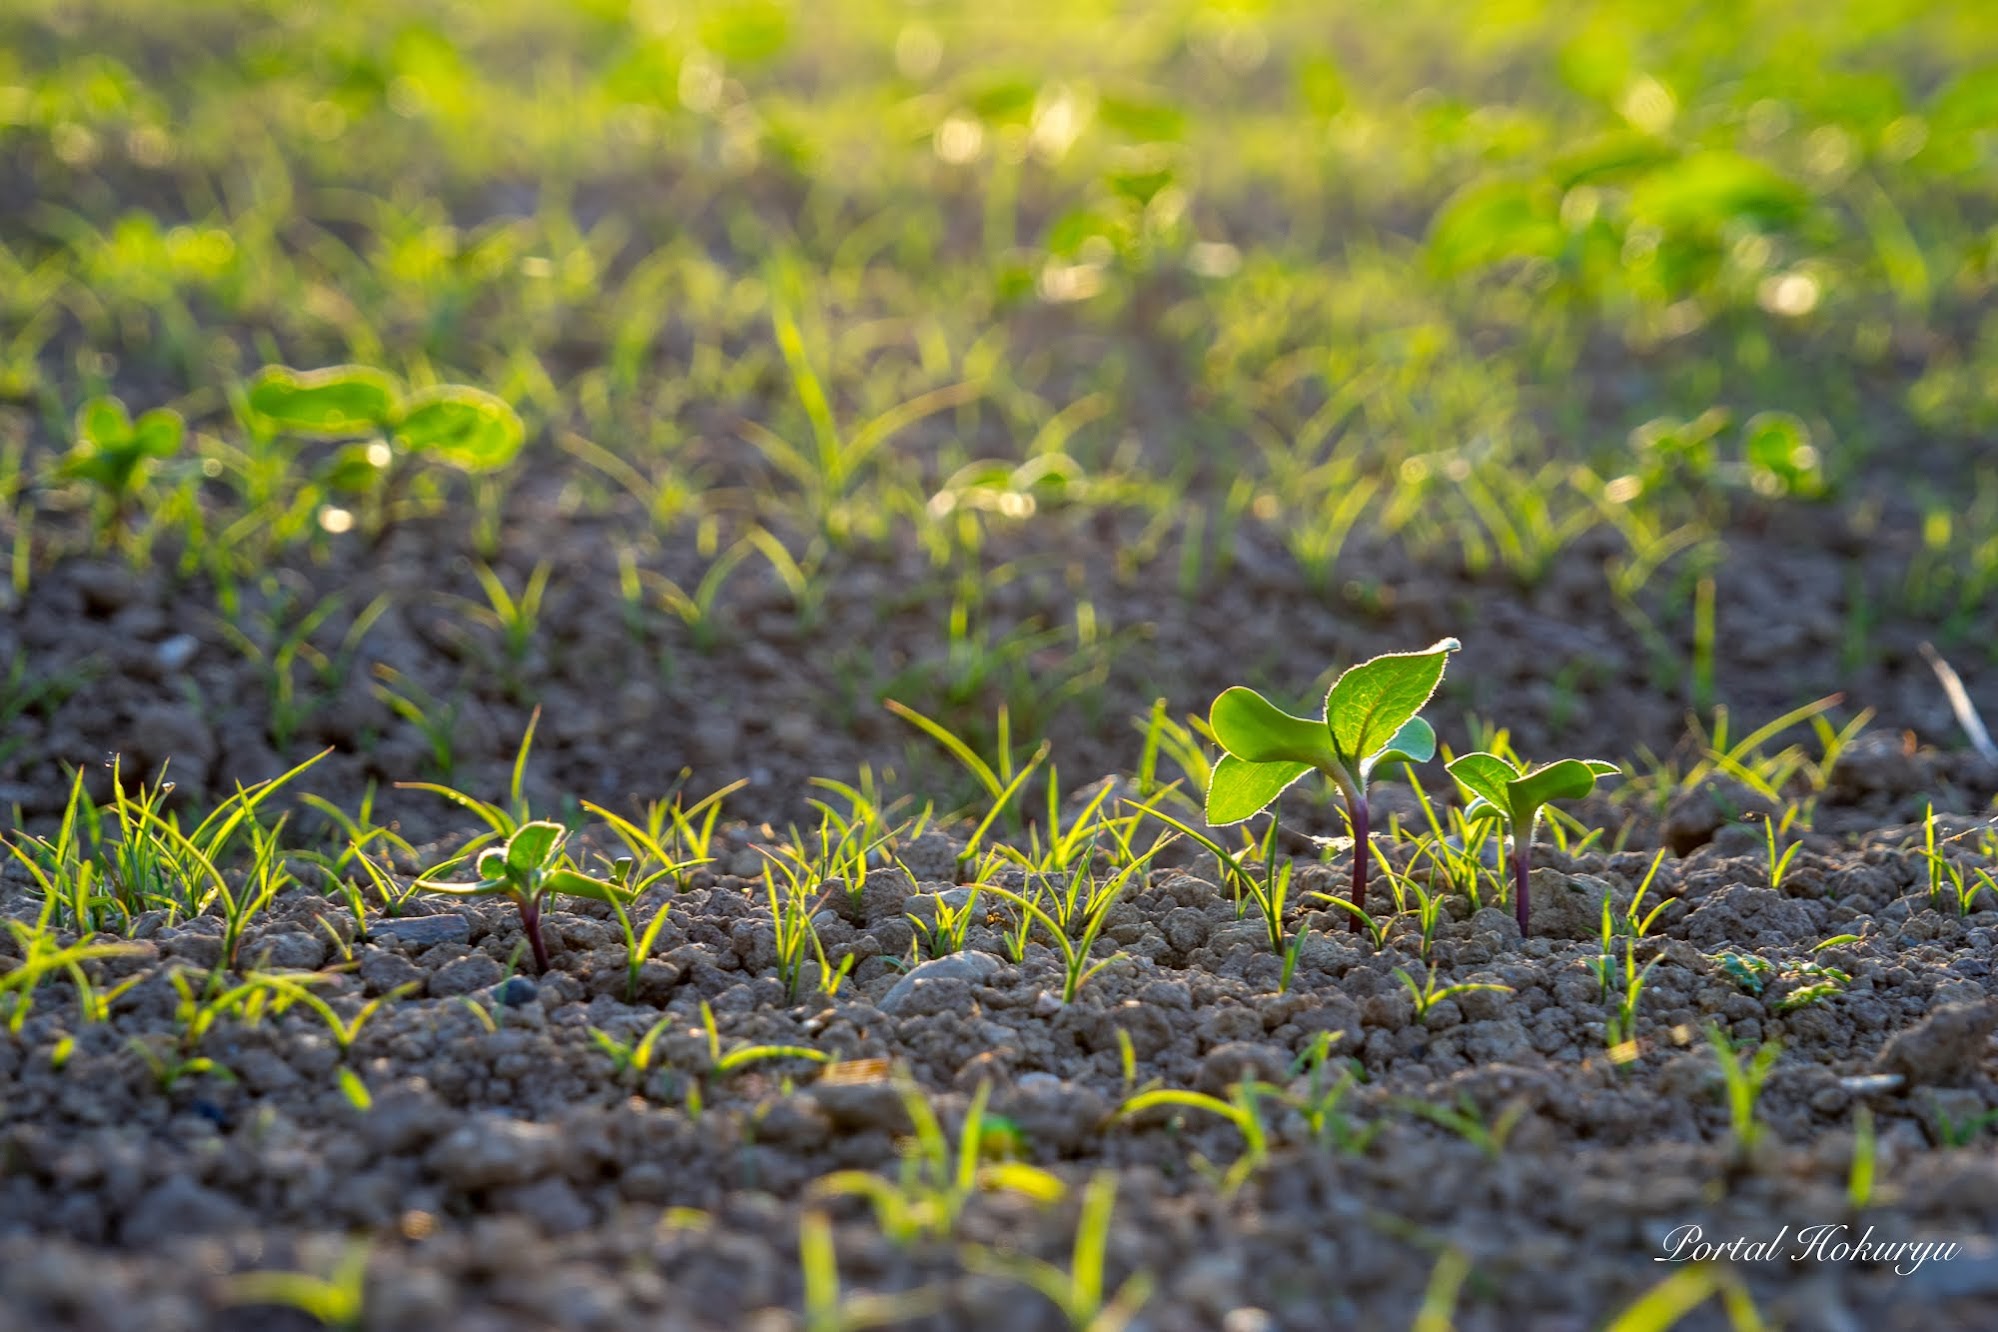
(1356, 809)
(530, 922)
(1522, 850)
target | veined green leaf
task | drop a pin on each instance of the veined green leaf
(1569, 779)
(1371, 702)
(531, 845)
(1241, 790)
(1487, 777)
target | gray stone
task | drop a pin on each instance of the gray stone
(491, 1151)
(1945, 1049)
(382, 971)
(177, 1207)
(173, 654)
(516, 991)
(465, 975)
(969, 967)
(423, 931)
(291, 951)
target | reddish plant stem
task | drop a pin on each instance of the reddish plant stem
(530, 923)
(1356, 809)
(1522, 852)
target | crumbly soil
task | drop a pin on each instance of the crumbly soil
(507, 1176)
(147, 669)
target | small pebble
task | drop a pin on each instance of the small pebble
(515, 991)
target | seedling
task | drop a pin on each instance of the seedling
(1427, 996)
(345, 1031)
(1077, 1292)
(937, 1179)
(793, 907)
(1241, 1109)
(1620, 1032)
(1322, 1107)
(943, 935)
(723, 1064)
(527, 869)
(338, 1300)
(115, 455)
(465, 428)
(1469, 1123)
(826, 1309)
(1953, 1132)
(1509, 793)
(1865, 1160)
(634, 1058)
(1076, 966)
(1369, 719)
(1743, 1081)
(1779, 861)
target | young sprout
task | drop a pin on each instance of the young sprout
(527, 869)
(114, 454)
(1515, 796)
(1369, 719)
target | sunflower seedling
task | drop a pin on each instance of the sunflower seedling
(115, 455)
(1515, 796)
(1369, 719)
(384, 428)
(527, 868)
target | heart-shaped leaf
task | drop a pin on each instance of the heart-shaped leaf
(337, 401)
(532, 846)
(1239, 789)
(158, 433)
(466, 427)
(1486, 777)
(103, 423)
(1371, 702)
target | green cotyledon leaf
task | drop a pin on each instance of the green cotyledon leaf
(466, 427)
(1487, 778)
(1370, 703)
(1253, 729)
(1241, 790)
(1568, 779)
(1415, 742)
(338, 401)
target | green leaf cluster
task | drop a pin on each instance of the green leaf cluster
(113, 452)
(463, 427)
(1369, 719)
(1514, 794)
(527, 867)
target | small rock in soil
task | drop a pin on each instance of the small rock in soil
(1945, 1048)
(423, 931)
(492, 1151)
(466, 975)
(970, 967)
(515, 991)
